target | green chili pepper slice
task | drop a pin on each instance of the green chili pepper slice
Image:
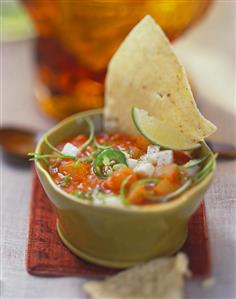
(106, 160)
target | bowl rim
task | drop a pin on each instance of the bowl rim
(171, 205)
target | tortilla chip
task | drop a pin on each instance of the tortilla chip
(145, 72)
(162, 278)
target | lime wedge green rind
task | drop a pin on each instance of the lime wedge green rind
(159, 133)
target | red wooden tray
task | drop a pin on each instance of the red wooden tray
(46, 255)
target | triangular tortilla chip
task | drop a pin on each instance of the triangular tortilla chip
(145, 72)
(162, 278)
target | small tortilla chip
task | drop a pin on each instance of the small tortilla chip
(145, 72)
(162, 278)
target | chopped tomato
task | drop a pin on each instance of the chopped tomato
(165, 186)
(135, 152)
(79, 140)
(102, 138)
(115, 181)
(138, 196)
(142, 142)
(83, 177)
(77, 173)
(170, 172)
(121, 140)
(170, 179)
(54, 161)
(181, 158)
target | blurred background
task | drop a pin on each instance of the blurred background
(55, 53)
(74, 41)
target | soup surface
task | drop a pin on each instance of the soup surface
(120, 169)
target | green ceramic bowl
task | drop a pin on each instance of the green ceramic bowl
(116, 236)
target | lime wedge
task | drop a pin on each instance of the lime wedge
(159, 133)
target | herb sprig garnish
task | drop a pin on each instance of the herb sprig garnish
(123, 190)
(86, 143)
(66, 180)
(51, 146)
(100, 146)
(91, 135)
(37, 157)
(195, 162)
(205, 170)
(59, 155)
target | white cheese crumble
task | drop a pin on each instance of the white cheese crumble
(153, 149)
(53, 170)
(152, 153)
(143, 158)
(132, 162)
(70, 150)
(144, 169)
(165, 157)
